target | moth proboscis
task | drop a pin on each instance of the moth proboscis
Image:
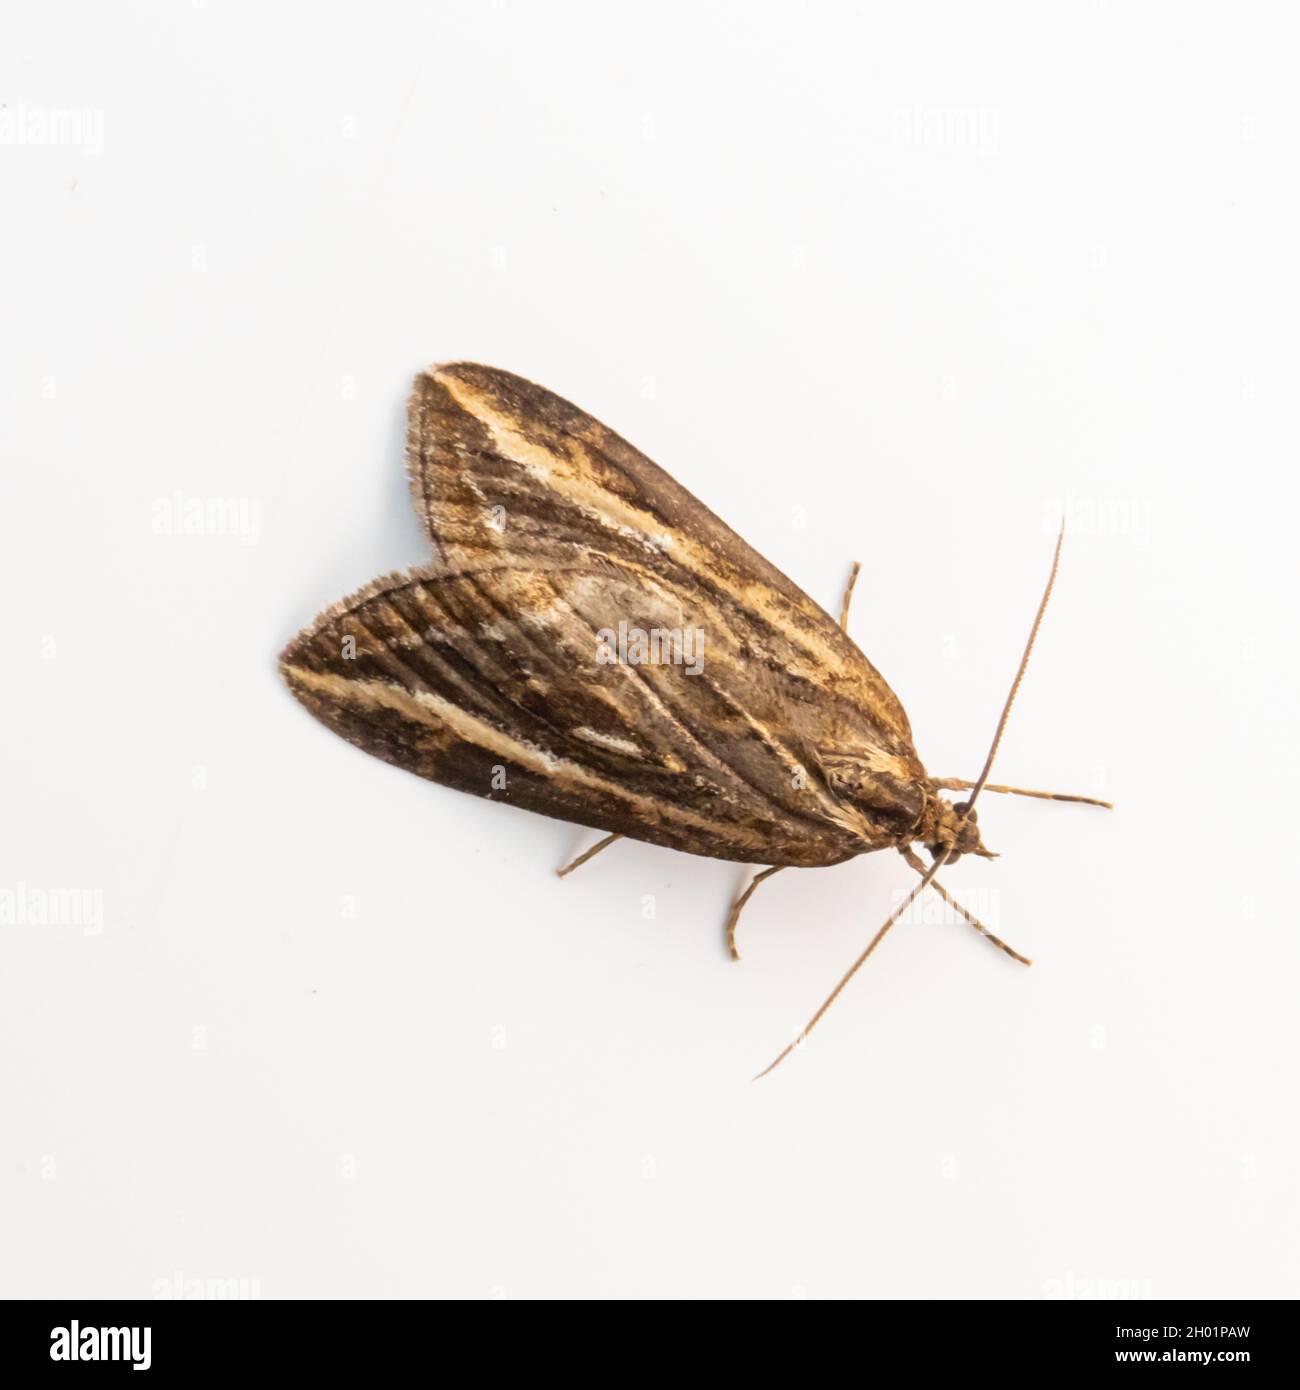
(591, 642)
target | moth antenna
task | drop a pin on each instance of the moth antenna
(1020, 675)
(967, 807)
(853, 969)
(960, 784)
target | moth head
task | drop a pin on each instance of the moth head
(952, 828)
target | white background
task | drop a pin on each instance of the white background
(874, 281)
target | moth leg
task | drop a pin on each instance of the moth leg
(587, 854)
(734, 916)
(952, 902)
(848, 593)
(959, 784)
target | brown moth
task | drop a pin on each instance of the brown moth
(591, 642)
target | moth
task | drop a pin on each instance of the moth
(591, 642)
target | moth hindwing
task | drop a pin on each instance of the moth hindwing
(591, 642)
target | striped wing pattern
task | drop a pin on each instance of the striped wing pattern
(497, 668)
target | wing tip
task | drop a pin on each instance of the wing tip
(417, 574)
(456, 369)
(476, 375)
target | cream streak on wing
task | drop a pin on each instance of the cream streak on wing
(444, 717)
(539, 461)
(619, 745)
(617, 515)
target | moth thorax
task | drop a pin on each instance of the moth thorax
(942, 827)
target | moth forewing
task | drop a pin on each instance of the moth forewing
(480, 439)
(490, 682)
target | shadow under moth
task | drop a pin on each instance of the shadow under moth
(591, 642)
